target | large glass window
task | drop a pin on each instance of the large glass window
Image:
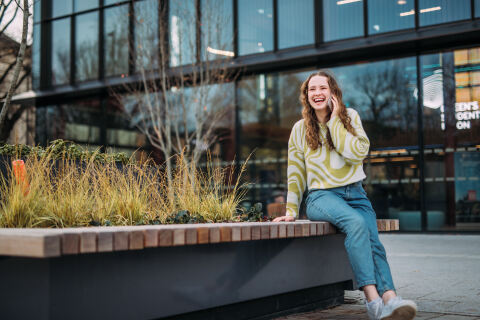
(60, 51)
(390, 15)
(61, 7)
(384, 95)
(255, 31)
(451, 116)
(182, 32)
(441, 11)
(36, 56)
(81, 5)
(342, 19)
(477, 8)
(146, 34)
(217, 29)
(116, 40)
(259, 137)
(86, 46)
(296, 23)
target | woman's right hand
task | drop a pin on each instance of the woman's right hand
(284, 218)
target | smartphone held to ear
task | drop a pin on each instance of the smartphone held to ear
(330, 104)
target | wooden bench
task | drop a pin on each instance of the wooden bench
(46, 243)
(195, 271)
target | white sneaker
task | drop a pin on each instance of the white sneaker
(399, 309)
(374, 308)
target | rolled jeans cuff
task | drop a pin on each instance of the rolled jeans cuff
(366, 282)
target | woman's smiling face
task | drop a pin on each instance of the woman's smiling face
(318, 92)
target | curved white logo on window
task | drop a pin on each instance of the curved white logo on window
(433, 90)
(433, 99)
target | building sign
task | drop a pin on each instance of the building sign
(465, 112)
(433, 99)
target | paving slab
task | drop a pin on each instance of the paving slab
(439, 272)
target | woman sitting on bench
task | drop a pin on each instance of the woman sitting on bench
(325, 152)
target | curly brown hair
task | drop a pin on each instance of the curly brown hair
(308, 113)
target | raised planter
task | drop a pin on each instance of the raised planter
(202, 271)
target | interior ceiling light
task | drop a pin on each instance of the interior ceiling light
(220, 52)
(408, 13)
(430, 9)
(346, 2)
(401, 2)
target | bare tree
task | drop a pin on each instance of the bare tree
(179, 99)
(15, 66)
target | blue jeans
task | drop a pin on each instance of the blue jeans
(349, 209)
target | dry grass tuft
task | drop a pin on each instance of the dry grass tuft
(71, 193)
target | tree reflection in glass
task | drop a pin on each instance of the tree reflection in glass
(146, 34)
(182, 18)
(60, 51)
(216, 29)
(116, 40)
(86, 51)
(383, 94)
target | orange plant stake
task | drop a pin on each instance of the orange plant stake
(20, 175)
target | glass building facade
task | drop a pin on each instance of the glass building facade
(411, 68)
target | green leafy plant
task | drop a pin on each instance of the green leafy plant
(255, 213)
(61, 149)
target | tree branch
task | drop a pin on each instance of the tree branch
(18, 66)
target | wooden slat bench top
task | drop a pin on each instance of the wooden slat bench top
(46, 243)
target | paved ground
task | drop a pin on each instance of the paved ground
(440, 272)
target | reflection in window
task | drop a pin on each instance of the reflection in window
(108, 2)
(126, 138)
(86, 49)
(36, 57)
(391, 15)
(451, 127)
(79, 123)
(61, 7)
(261, 134)
(146, 34)
(290, 107)
(197, 104)
(255, 20)
(441, 11)
(477, 8)
(81, 5)
(217, 29)
(182, 32)
(336, 14)
(295, 23)
(60, 51)
(116, 40)
(384, 95)
(37, 11)
(81, 132)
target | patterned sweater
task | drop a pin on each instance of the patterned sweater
(324, 168)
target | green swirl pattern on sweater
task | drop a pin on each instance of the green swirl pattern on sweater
(324, 168)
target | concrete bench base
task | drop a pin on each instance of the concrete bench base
(170, 281)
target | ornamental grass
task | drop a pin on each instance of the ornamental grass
(58, 192)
